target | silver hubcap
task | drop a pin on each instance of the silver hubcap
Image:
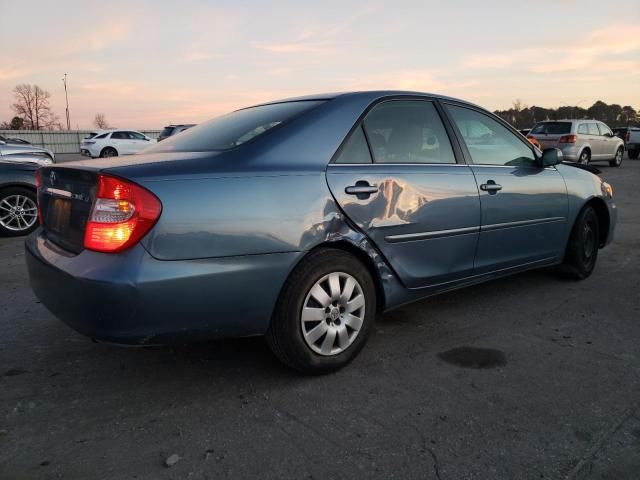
(332, 313)
(619, 155)
(18, 213)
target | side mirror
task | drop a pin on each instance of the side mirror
(550, 157)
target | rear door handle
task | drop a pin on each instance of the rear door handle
(361, 189)
(491, 186)
(356, 190)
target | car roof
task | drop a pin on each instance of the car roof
(371, 94)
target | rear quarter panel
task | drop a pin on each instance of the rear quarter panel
(248, 215)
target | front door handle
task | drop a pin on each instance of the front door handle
(491, 186)
(361, 189)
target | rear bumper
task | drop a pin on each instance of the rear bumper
(132, 298)
(570, 152)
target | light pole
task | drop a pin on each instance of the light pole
(66, 96)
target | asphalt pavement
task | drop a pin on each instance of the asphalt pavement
(527, 377)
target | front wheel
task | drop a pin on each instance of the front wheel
(582, 249)
(617, 160)
(324, 314)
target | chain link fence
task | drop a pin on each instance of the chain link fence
(66, 141)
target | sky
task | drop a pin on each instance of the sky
(145, 64)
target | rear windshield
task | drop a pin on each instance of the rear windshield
(166, 132)
(235, 128)
(552, 128)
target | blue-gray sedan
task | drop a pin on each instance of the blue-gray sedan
(300, 219)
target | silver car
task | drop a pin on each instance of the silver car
(25, 153)
(580, 140)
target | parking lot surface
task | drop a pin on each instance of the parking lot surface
(526, 377)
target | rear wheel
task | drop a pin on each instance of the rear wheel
(617, 160)
(582, 249)
(108, 152)
(324, 314)
(18, 212)
(585, 156)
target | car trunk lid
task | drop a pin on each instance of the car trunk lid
(549, 133)
(65, 199)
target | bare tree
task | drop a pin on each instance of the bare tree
(100, 121)
(32, 105)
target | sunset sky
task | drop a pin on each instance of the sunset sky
(146, 64)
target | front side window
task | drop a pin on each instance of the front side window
(355, 149)
(488, 141)
(235, 128)
(592, 129)
(407, 131)
(604, 130)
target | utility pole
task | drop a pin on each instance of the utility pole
(66, 96)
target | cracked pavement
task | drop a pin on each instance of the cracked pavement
(563, 402)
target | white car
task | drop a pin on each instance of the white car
(111, 143)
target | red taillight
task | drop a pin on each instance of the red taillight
(122, 214)
(38, 195)
(568, 139)
(627, 137)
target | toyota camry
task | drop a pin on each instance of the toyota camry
(302, 219)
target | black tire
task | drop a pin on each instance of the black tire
(285, 335)
(8, 226)
(108, 152)
(617, 160)
(582, 249)
(633, 154)
(585, 157)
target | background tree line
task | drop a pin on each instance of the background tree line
(614, 115)
(32, 109)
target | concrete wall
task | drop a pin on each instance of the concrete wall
(64, 141)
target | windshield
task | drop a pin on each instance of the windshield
(552, 128)
(166, 132)
(234, 129)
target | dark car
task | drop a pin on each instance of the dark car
(301, 219)
(18, 212)
(170, 130)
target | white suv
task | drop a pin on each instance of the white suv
(112, 143)
(580, 140)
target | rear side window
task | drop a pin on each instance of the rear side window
(488, 141)
(582, 128)
(235, 128)
(104, 135)
(552, 128)
(592, 129)
(407, 131)
(355, 149)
